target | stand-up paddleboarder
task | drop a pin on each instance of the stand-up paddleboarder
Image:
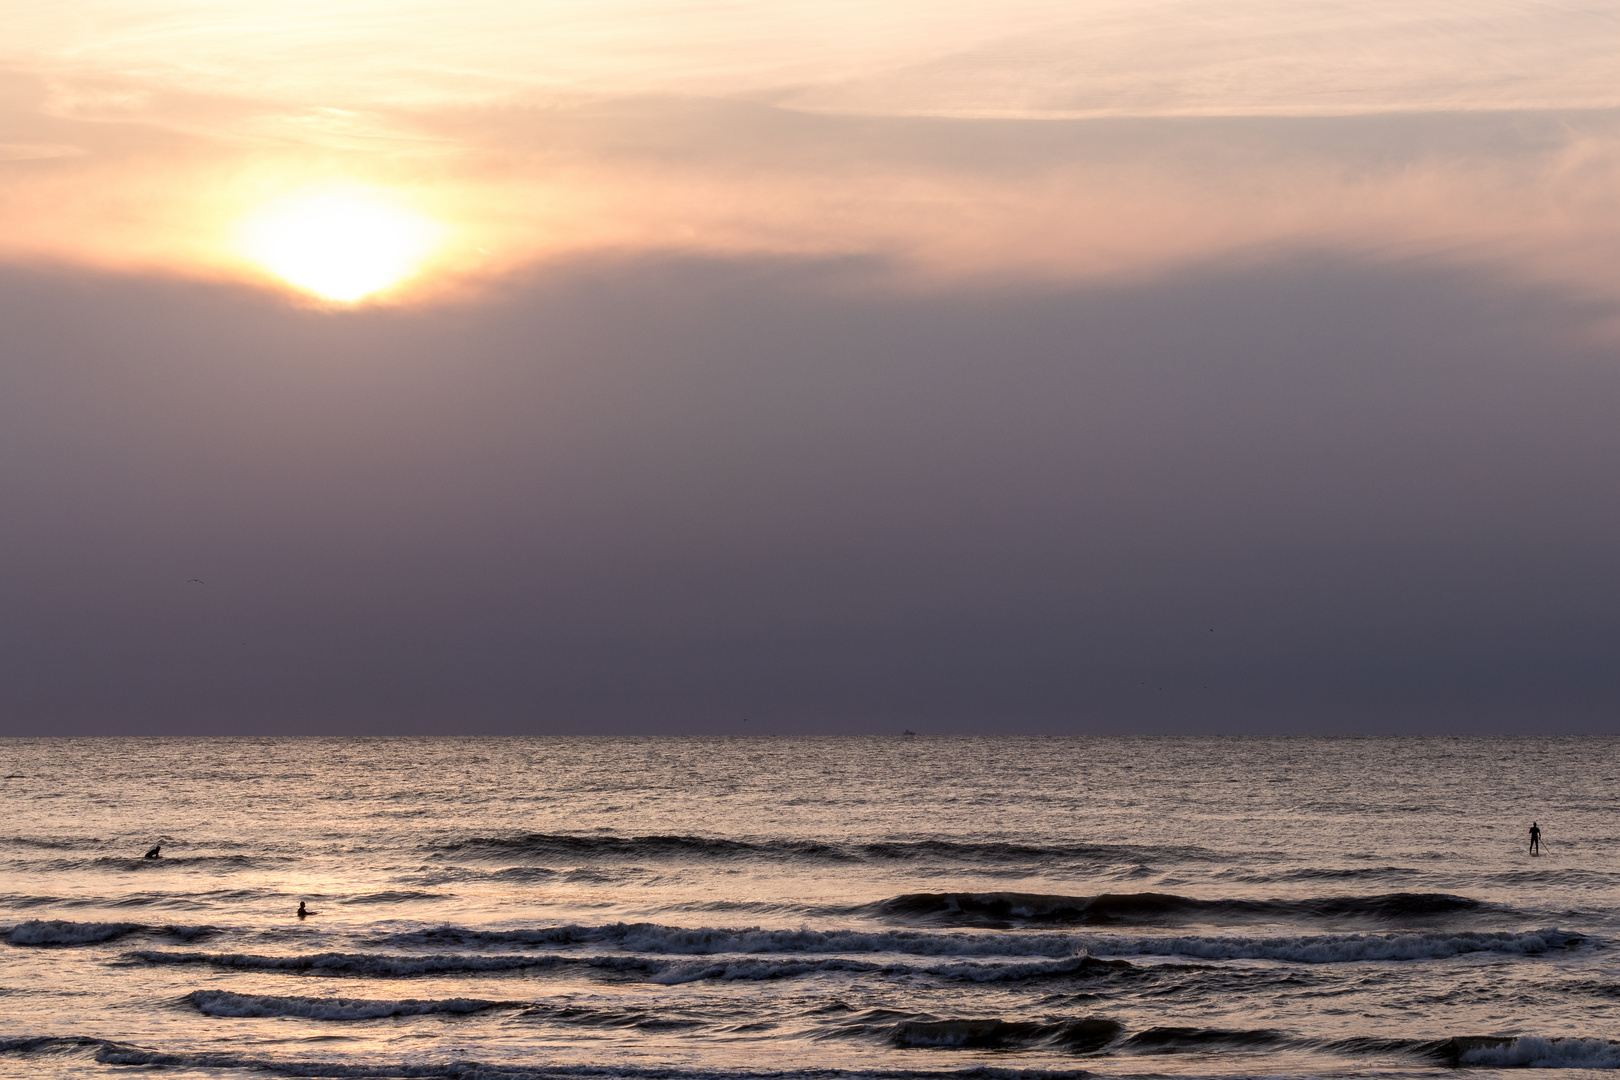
(1535, 839)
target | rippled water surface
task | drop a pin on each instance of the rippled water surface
(904, 907)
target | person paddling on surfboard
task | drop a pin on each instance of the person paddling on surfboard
(153, 854)
(1535, 839)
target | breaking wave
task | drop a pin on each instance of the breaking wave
(381, 966)
(225, 1003)
(1340, 948)
(1075, 966)
(63, 932)
(392, 896)
(664, 972)
(1527, 1052)
(567, 846)
(108, 1052)
(583, 1016)
(1091, 1033)
(1094, 1035)
(1178, 1040)
(1006, 909)
(135, 862)
(703, 941)
(563, 845)
(651, 938)
(52, 843)
(1088, 1035)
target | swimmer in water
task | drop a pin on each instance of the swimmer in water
(153, 854)
(302, 914)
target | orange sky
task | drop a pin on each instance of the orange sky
(1029, 137)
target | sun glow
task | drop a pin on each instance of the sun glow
(340, 245)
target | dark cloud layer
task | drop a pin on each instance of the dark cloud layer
(1305, 496)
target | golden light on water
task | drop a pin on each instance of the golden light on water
(340, 245)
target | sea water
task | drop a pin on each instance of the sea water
(736, 908)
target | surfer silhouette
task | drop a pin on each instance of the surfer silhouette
(1535, 839)
(302, 914)
(154, 853)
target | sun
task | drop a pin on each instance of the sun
(340, 245)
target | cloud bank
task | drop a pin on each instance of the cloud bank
(665, 496)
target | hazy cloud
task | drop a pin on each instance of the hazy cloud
(1036, 366)
(1519, 194)
(663, 497)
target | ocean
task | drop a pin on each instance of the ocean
(904, 908)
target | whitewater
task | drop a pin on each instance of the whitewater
(731, 909)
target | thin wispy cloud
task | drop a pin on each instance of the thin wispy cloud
(1033, 138)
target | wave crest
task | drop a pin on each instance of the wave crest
(1341, 948)
(663, 972)
(1001, 910)
(1529, 1052)
(707, 940)
(1091, 1033)
(65, 932)
(655, 939)
(225, 1003)
(567, 846)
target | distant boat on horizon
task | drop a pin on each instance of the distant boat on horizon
(908, 734)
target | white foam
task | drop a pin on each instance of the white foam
(1534, 1053)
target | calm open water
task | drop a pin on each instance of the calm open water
(736, 908)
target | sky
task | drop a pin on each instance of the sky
(745, 368)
